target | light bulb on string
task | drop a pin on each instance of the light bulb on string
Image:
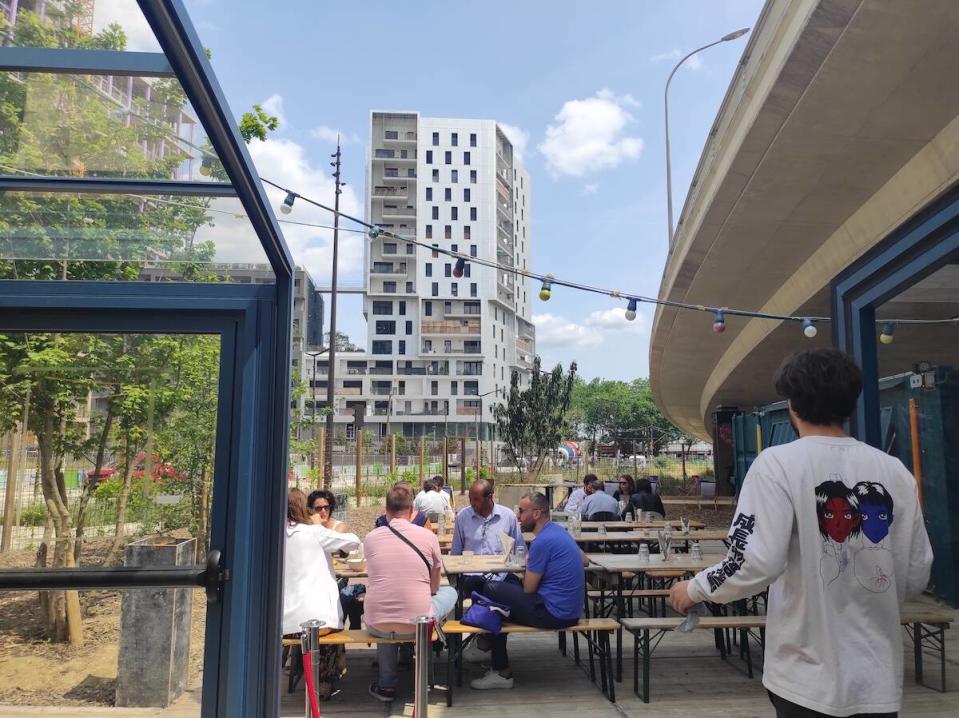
(374, 232)
(887, 331)
(459, 267)
(631, 310)
(288, 201)
(719, 321)
(546, 291)
(809, 328)
(206, 166)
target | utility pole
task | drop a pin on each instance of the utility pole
(313, 427)
(331, 376)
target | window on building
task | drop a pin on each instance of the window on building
(447, 345)
(447, 307)
(385, 327)
(429, 231)
(410, 248)
(435, 253)
(466, 194)
(472, 139)
(466, 270)
(434, 388)
(454, 290)
(473, 289)
(467, 232)
(454, 176)
(409, 327)
(409, 287)
(470, 388)
(473, 214)
(454, 247)
(402, 347)
(454, 139)
(381, 347)
(447, 231)
(391, 134)
(454, 388)
(428, 309)
(472, 176)
(448, 194)
(429, 194)
(472, 249)
(466, 158)
(429, 269)
(447, 270)
(436, 212)
(389, 287)
(436, 175)
(448, 157)
(411, 172)
(454, 213)
(429, 157)
(436, 139)
(389, 247)
(403, 308)
(435, 289)
(381, 308)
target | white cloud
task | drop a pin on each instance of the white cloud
(554, 331)
(140, 37)
(273, 105)
(517, 136)
(588, 135)
(329, 134)
(286, 163)
(694, 63)
(590, 188)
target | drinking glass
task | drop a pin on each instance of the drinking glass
(696, 551)
(643, 553)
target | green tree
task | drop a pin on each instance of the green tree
(534, 420)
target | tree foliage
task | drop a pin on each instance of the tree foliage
(533, 421)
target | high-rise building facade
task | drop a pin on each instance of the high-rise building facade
(442, 349)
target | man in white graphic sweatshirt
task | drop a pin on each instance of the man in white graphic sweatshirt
(834, 528)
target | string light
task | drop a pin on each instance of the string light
(887, 331)
(288, 201)
(206, 166)
(719, 321)
(631, 309)
(459, 268)
(548, 280)
(546, 291)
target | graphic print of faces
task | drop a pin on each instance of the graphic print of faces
(838, 510)
(875, 507)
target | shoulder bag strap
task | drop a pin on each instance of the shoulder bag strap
(429, 569)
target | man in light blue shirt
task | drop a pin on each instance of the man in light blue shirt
(598, 501)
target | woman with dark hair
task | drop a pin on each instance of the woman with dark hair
(645, 500)
(627, 487)
(309, 584)
(322, 504)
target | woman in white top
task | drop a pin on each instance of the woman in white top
(309, 584)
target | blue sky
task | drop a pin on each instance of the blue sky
(592, 72)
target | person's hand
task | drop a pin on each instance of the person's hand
(679, 598)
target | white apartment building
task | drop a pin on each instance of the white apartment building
(441, 349)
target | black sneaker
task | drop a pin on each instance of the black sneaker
(382, 694)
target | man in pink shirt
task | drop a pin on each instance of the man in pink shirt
(403, 564)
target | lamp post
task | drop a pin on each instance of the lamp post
(669, 168)
(331, 377)
(314, 355)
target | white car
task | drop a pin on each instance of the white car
(637, 459)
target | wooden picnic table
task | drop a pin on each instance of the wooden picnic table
(456, 565)
(646, 535)
(639, 524)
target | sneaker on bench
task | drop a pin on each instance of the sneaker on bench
(490, 681)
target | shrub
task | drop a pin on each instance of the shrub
(35, 515)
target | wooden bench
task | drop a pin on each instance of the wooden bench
(600, 596)
(927, 625)
(643, 643)
(596, 632)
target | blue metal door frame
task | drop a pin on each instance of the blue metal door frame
(912, 252)
(241, 663)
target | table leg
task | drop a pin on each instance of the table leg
(917, 650)
(942, 656)
(646, 659)
(619, 631)
(608, 656)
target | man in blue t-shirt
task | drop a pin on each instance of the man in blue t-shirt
(552, 592)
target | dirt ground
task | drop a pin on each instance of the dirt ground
(34, 671)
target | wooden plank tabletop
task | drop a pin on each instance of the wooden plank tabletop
(639, 524)
(672, 622)
(622, 562)
(477, 564)
(648, 536)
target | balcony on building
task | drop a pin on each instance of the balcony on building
(394, 268)
(392, 212)
(429, 369)
(468, 407)
(428, 408)
(462, 309)
(471, 327)
(451, 347)
(393, 288)
(403, 155)
(390, 192)
(381, 388)
(469, 368)
(399, 137)
(395, 174)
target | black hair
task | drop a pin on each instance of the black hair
(630, 483)
(822, 385)
(589, 478)
(439, 480)
(643, 486)
(834, 490)
(322, 494)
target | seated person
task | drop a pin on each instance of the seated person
(419, 519)
(445, 488)
(551, 595)
(403, 564)
(575, 500)
(432, 500)
(645, 500)
(479, 528)
(309, 584)
(626, 488)
(598, 502)
(322, 504)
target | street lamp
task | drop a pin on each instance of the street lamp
(313, 405)
(669, 168)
